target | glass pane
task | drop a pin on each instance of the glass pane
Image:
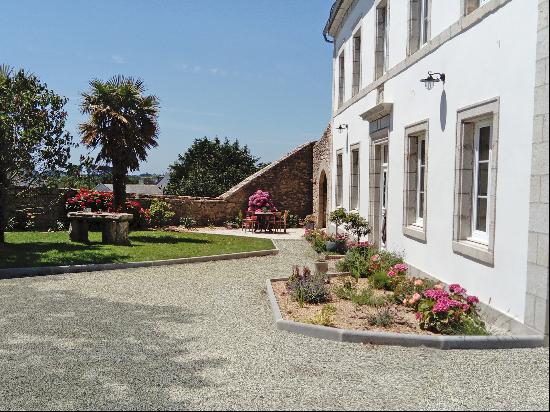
(384, 189)
(484, 141)
(421, 206)
(385, 154)
(421, 180)
(481, 221)
(482, 179)
(423, 152)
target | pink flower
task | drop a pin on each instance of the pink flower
(456, 288)
(418, 315)
(416, 297)
(418, 282)
(472, 299)
(405, 302)
(465, 307)
(400, 267)
(435, 294)
(439, 286)
(391, 273)
(375, 258)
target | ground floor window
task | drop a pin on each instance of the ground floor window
(354, 179)
(339, 179)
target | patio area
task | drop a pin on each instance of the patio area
(202, 336)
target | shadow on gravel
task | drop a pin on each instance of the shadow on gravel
(61, 350)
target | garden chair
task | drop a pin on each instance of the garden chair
(279, 221)
(249, 222)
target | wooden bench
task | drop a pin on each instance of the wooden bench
(114, 226)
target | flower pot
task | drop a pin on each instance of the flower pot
(321, 267)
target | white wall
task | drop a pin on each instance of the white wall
(494, 58)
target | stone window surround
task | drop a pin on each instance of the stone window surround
(356, 76)
(410, 179)
(353, 147)
(414, 32)
(463, 24)
(464, 181)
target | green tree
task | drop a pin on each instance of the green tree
(123, 123)
(33, 140)
(210, 167)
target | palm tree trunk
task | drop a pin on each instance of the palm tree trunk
(3, 202)
(119, 187)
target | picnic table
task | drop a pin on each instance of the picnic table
(114, 226)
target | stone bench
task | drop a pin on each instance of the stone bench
(114, 226)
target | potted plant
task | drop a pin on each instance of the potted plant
(321, 265)
(338, 216)
(336, 243)
(309, 221)
(357, 225)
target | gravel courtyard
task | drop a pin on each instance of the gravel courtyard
(202, 336)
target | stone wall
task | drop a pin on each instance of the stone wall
(287, 179)
(322, 155)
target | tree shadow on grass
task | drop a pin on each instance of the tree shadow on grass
(40, 254)
(63, 350)
(167, 239)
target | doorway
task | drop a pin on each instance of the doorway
(383, 195)
(323, 197)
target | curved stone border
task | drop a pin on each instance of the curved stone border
(55, 270)
(399, 339)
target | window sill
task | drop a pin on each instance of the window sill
(475, 251)
(415, 232)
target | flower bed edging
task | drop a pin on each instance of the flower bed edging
(56, 270)
(398, 339)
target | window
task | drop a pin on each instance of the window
(354, 181)
(356, 80)
(381, 50)
(416, 172)
(419, 24)
(469, 6)
(475, 181)
(339, 179)
(482, 161)
(341, 79)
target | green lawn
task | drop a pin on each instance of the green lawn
(24, 249)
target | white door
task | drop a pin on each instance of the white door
(383, 194)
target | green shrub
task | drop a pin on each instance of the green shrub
(356, 262)
(161, 213)
(380, 280)
(187, 222)
(319, 245)
(382, 317)
(346, 290)
(325, 317)
(306, 287)
(292, 220)
(367, 297)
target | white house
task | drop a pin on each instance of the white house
(440, 139)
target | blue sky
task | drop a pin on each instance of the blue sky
(256, 70)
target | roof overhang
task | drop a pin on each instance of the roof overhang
(377, 112)
(337, 13)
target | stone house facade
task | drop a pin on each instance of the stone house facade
(440, 139)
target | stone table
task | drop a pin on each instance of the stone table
(114, 226)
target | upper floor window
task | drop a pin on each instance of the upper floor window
(469, 6)
(419, 24)
(341, 78)
(381, 49)
(356, 80)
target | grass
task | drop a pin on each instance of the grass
(27, 249)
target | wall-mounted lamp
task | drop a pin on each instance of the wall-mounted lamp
(433, 78)
(342, 127)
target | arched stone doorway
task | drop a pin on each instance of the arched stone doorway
(323, 197)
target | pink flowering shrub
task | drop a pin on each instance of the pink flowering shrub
(449, 311)
(261, 200)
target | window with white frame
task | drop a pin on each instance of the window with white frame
(381, 55)
(421, 172)
(481, 181)
(339, 179)
(416, 172)
(419, 24)
(356, 79)
(475, 181)
(341, 79)
(354, 179)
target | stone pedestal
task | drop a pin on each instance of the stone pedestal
(115, 232)
(78, 231)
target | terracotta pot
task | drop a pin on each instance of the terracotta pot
(321, 267)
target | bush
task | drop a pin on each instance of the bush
(306, 287)
(325, 317)
(382, 317)
(356, 262)
(367, 297)
(292, 220)
(357, 225)
(338, 216)
(161, 213)
(346, 290)
(187, 222)
(449, 312)
(380, 280)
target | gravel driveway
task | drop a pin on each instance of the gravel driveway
(202, 336)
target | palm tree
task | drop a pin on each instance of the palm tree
(123, 122)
